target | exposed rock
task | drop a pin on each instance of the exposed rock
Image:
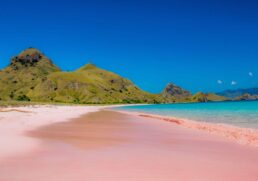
(26, 70)
(172, 90)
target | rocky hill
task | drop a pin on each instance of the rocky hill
(174, 93)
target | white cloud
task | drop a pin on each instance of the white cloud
(219, 81)
(233, 83)
(251, 74)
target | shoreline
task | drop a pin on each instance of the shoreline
(15, 121)
(129, 148)
(243, 136)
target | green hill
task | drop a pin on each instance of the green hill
(31, 76)
(209, 97)
(90, 84)
(24, 73)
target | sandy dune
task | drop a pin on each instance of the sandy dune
(107, 145)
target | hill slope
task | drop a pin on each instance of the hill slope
(25, 71)
(31, 76)
(90, 84)
(209, 97)
(174, 93)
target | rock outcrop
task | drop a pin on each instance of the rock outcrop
(172, 90)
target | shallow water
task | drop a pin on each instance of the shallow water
(242, 114)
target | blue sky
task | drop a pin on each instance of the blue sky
(199, 45)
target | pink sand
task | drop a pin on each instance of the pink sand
(113, 146)
(15, 121)
(245, 136)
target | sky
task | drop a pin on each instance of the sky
(199, 45)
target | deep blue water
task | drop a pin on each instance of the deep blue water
(243, 114)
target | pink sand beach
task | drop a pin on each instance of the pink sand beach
(57, 143)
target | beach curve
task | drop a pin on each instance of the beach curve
(108, 145)
(244, 136)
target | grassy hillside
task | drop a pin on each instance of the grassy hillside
(25, 71)
(201, 97)
(31, 76)
(90, 84)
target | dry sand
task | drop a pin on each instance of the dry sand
(14, 121)
(111, 146)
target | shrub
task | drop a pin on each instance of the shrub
(23, 98)
(128, 101)
(11, 95)
(76, 100)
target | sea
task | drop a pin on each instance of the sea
(237, 113)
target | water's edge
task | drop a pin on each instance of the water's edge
(244, 136)
(239, 114)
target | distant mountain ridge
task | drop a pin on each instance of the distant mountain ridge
(246, 97)
(31, 76)
(238, 92)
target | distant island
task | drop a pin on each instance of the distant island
(241, 94)
(31, 76)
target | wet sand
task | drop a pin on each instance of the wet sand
(108, 145)
(244, 136)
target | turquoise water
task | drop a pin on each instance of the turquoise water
(242, 114)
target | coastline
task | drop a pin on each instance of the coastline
(15, 121)
(243, 136)
(129, 148)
